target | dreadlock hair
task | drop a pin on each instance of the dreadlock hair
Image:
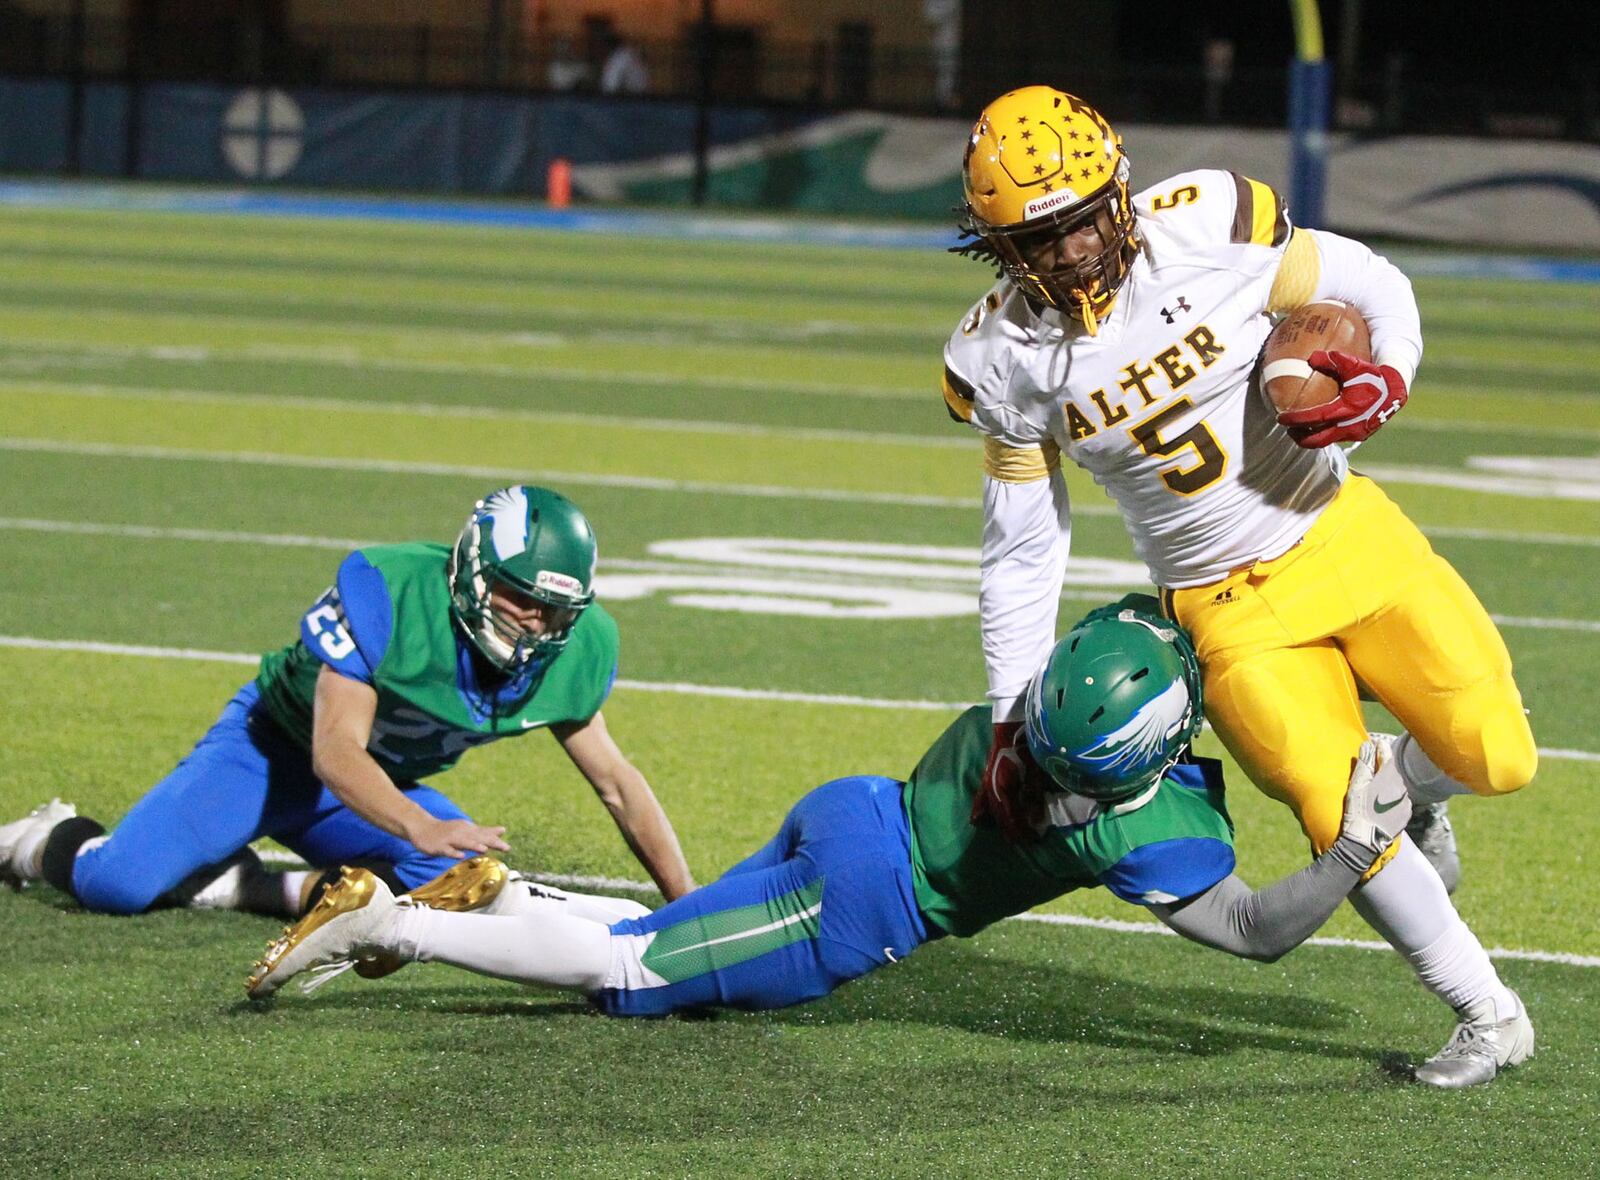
(973, 244)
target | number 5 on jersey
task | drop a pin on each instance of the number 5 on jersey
(1198, 439)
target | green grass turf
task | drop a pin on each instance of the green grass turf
(454, 357)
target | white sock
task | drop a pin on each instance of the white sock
(1456, 968)
(549, 948)
(294, 883)
(1425, 782)
(1407, 904)
(524, 897)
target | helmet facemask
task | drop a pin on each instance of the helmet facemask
(1041, 164)
(1085, 290)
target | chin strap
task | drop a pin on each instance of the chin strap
(1086, 314)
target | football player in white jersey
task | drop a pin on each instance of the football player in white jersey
(1124, 332)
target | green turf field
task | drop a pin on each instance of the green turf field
(200, 415)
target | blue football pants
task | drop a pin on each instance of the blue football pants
(828, 899)
(244, 780)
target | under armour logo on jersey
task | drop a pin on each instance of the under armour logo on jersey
(1172, 316)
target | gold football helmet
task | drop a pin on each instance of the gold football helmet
(1043, 166)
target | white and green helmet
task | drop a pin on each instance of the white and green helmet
(537, 543)
(1115, 705)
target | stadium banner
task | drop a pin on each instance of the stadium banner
(33, 125)
(1509, 194)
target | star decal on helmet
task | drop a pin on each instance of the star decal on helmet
(1048, 166)
(1021, 160)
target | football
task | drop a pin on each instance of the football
(1289, 382)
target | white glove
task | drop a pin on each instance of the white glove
(1376, 807)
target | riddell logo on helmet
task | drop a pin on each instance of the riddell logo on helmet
(559, 583)
(1054, 201)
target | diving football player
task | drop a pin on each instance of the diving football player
(866, 869)
(416, 654)
(1123, 332)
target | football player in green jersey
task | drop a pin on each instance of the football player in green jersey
(866, 869)
(417, 653)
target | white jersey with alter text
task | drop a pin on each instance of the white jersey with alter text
(1161, 406)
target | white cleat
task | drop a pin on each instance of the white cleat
(347, 921)
(22, 841)
(1479, 1048)
(1431, 832)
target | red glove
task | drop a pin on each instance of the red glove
(1011, 794)
(1369, 395)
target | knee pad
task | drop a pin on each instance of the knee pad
(1510, 758)
(1493, 752)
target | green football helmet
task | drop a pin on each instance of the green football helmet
(536, 544)
(1115, 705)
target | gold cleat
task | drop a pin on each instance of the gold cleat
(471, 885)
(348, 910)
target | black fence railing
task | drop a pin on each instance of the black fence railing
(834, 72)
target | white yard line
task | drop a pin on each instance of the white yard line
(345, 544)
(502, 474)
(1451, 532)
(84, 528)
(959, 440)
(1362, 944)
(730, 692)
(1485, 483)
(575, 325)
(342, 356)
(535, 373)
(355, 358)
(1538, 624)
(595, 884)
(638, 482)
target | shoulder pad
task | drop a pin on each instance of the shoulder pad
(970, 352)
(1210, 206)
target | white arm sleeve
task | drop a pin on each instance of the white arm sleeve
(1027, 531)
(1378, 289)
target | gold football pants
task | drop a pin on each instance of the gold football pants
(1362, 599)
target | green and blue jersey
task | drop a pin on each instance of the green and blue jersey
(386, 621)
(1174, 845)
(866, 869)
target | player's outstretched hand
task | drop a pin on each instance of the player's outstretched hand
(1010, 796)
(1369, 395)
(1376, 807)
(456, 838)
